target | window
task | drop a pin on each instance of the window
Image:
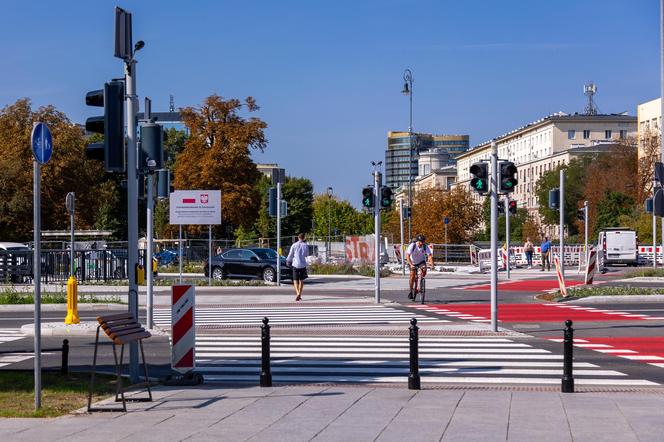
(586, 134)
(571, 134)
(232, 254)
(623, 134)
(607, 134)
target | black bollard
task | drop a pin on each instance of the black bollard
(266, 374)
(414, 375)
(64, 367)
(568, 342)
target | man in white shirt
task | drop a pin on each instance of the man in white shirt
(417, 256)
(297, 259)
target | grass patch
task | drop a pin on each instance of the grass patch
(61, 394)
(9, 295)
(346, 269)
(215, 283)
(194, 267)
(645, 272)
(579, 292)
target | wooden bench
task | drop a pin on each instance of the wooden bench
(121, 328)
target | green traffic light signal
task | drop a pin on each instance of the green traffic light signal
(367, 197)
(480, 180)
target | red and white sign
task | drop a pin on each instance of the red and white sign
(195, 207)
(561, 279)
(591, 267)
(183, 331)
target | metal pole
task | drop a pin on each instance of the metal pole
(585, 227)
(654, 227)
(72, 272)
(377, 184)
(210, 254)
(661, 80)
(507, 232)
(402, 251)
(445, 243)
(567, 384)
(279, 232)
(494, 236)
(562, 222)
(150, 233)
(36, 263)
(132, 208)
(180, 251)
(329, 225)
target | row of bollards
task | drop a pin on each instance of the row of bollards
(414, 372)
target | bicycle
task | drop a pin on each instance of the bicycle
(420, 283)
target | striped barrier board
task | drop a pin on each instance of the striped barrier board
(561, 279)
(591, 268)
(183, 331)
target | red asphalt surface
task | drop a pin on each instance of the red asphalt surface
(648, 349)
(527, 313)
(532, 285)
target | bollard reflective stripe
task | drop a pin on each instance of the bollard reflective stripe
(568, 342)
(266, 374)
(414, 375)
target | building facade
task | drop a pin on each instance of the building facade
(649, 120)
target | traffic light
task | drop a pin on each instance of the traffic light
(111, 125)
(648, 205)
(272, 202)
(367, 197)
(501, 207)
(152, 147)
(581, 214)
(480, 180)
(554, 199)
(386, 197)
(164, 187)
(508, 176)
(512, 207)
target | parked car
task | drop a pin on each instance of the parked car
(254, 263)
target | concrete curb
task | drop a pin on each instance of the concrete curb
(85, 328)
(60, 307)
(618, 299)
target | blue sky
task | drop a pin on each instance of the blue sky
(328, 75)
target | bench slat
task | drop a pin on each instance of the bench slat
(114, 317)
(106, 325)
(131, 337)
(124, 331)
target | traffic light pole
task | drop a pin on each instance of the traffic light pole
(494, 236)
(507, 233)
(132, 207)
(377, 188)
(402, 252)
(562, 222)
(149, 274)
(279, 232)
(585, 228)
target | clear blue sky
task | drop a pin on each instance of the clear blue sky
(328, 75)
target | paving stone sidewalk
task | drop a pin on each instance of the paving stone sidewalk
(359, 413)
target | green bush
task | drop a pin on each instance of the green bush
(12, 296)
(645, 272)
(585, 291)
(346, 269)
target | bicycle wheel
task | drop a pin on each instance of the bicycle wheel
(422, 288)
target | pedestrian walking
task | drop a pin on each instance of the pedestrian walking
(297, 259)
(528, 248)
(546, 252)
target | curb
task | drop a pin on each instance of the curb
(85, 328)
(4, 308)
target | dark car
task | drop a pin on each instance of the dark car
(256, 263)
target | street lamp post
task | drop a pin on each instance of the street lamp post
(329, 222)
(408, 90)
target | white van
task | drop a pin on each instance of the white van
(617, 245)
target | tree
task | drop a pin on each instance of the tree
(174, 142)
(67, 171)
(518, 223)
(611, 208)
(339, 216)
(217, 155)
(299, 194)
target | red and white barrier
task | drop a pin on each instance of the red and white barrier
(183, 330)
(561, 279)
(591, 268)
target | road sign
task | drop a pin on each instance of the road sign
(202, 207)
(446, 220)
(42, 143)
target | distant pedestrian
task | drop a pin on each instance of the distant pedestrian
(528, 248)
(297, 259)
(219, 250)
(546, 252)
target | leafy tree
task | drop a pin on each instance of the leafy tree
(299, 194)
(611, 208)
(341, 216)
(174, 142)
(521, 225)
(67, 171)
(217, 155)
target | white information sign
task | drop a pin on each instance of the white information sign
(195, 207)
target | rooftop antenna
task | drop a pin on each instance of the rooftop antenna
(589, 90)
(171, 103)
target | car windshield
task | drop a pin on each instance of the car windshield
(265, 253)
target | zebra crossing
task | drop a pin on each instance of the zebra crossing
(384, 359)
(9, 335)
(357, 314)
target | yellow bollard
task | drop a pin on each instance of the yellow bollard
(140, 274)
(72, 301)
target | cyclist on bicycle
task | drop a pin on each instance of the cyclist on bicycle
(417, 256)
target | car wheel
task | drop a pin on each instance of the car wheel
(269, 274)
(218, 273)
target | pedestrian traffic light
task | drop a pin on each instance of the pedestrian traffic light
(581, 214)
(501, 207)
(409, 214)
(111, 125)
(367, 197)
(648, 205)
(152, 147)
(272, 201)
(480, 179)
(554, 199)
(512, 207)
(163, 184)
(386, 197)
(508, 176)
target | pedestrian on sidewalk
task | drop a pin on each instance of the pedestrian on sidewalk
(297, 259)
(528, 248)
(546, 252)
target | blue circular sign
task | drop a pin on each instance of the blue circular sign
(447, 220)
(42, 143)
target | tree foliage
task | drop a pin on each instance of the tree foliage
(216, 155)
(67, 171)
(339, 216)
(299, 194)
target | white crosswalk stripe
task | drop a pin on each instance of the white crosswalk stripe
(9, 335)
(299, 315)
(367, 359)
